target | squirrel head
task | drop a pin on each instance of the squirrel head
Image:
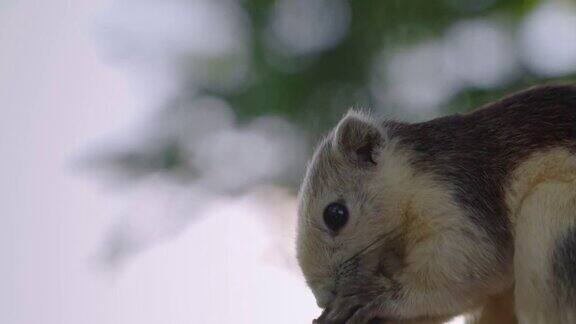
(352, 207)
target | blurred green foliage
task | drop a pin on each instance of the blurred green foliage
(375, 25)
(313, 90)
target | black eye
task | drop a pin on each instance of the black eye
(335, 216)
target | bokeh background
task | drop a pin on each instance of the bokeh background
(151, 149)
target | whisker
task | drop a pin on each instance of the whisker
(364, 249)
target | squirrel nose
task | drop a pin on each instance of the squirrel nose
(325, 297)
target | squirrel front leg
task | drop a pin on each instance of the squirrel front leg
(443, 277)
(408, 305)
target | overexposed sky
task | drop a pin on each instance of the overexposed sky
(57, 97)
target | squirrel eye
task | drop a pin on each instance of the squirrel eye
(335, 216)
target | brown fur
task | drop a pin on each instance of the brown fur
(445, 201)
(477, 152)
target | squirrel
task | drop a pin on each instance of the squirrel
(420, 222)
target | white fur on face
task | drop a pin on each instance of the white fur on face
(336, 173)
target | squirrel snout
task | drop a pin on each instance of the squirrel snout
(324, 297)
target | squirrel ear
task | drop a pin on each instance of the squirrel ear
(357, 136)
